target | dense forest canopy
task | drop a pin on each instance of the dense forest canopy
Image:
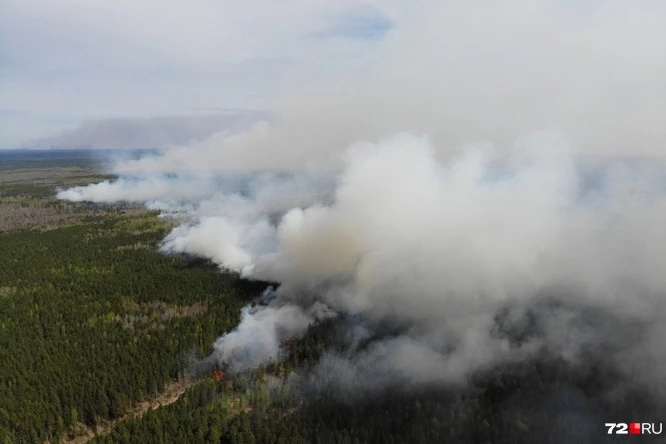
(103, 337)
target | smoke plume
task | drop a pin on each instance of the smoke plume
(447, 256)
(450, 257)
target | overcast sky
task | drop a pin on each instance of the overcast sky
(105, 73)
(74, 61)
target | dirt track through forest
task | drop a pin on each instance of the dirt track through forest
(171, 393)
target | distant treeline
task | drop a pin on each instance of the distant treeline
(29, 158)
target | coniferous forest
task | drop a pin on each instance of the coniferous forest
(103, 338)
(332, 222)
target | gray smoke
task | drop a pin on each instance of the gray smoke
(452, 256)
(152, 132)
(436, 251)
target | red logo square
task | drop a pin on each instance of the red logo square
(634, 428)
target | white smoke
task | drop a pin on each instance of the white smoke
(436, 243)
(439, 249)
(143, 189)
(220, 240)
(259, 336)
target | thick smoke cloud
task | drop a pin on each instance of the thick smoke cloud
(447, 257)
(448, 260)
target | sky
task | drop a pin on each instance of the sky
(73, 62)
(119, 74)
